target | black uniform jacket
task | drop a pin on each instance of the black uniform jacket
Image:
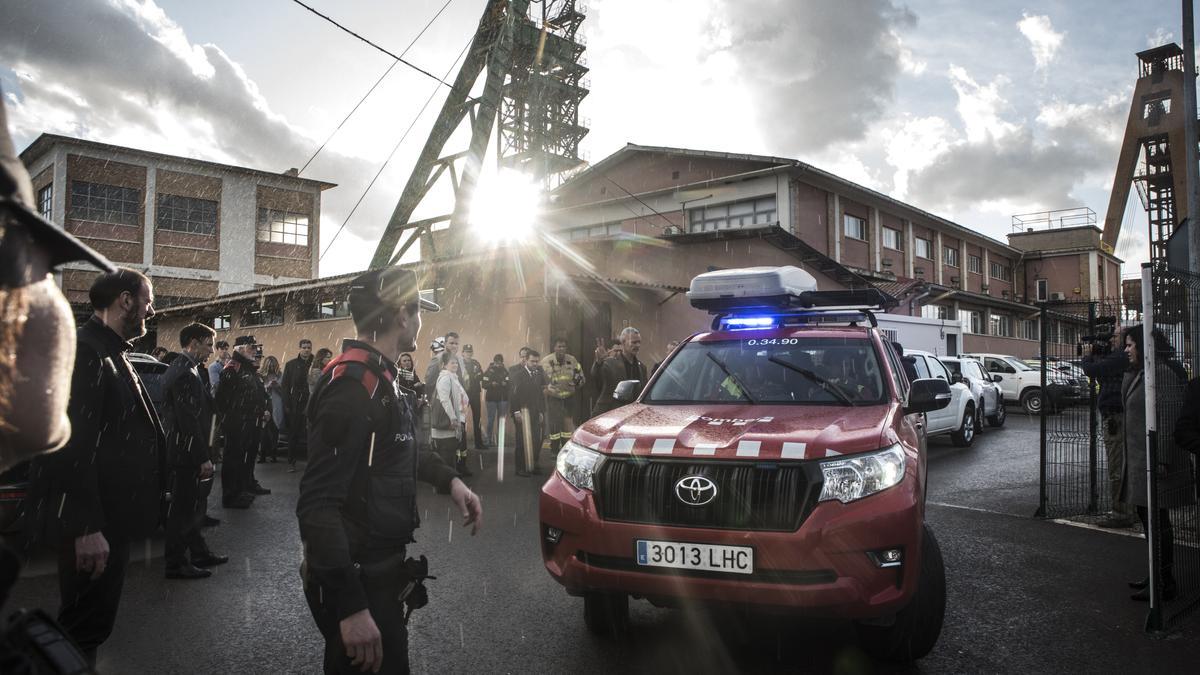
(608, 373)
(358, 496)
(295, 385)
(527, 389)
(241, 397)
(110, 474)
(473, 379)
(187, 413)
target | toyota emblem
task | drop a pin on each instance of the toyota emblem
(695, 490)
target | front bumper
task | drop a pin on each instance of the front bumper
(825, 568)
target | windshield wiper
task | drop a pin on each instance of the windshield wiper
(736, 380)
(825, 384)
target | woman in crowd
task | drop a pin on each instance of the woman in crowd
(448, 414)
(272, 377)
(1175, 484)
(496, 383)
(322, 359)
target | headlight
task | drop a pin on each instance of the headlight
(856, 477)
(576, 464)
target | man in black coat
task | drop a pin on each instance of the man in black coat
(243, 402)
(614, 369)
(528, 405)
(104, 488)
(295, 400)
(472, 378)
(1107, 367)
(188, 423)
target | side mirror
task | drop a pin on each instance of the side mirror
(928, 395)
(956, 378)
(627, 390)
(997, 378)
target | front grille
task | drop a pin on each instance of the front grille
(765, 497)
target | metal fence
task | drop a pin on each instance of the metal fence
(1171, 307)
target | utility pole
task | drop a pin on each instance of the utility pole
(1190, 140)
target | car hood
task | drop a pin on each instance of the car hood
(739, 432)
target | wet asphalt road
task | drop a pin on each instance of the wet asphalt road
(1024, 595)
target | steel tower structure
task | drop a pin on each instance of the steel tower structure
(532, 54)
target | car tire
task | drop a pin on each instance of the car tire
(997, 420)
(606, 613)
(1032, 401)
(916, 629)
(979, 407)
(964, 436)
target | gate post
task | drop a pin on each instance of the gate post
(1041, 511)
(1154, 619)
(1093, 488)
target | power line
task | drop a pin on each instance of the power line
(372, 89)
(393, 152)
(394, 56)
(652, 209)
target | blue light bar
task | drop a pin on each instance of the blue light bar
(750, 322)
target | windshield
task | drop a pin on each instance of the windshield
(1018, 364)
(813, 371)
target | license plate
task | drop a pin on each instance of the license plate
(707, 557)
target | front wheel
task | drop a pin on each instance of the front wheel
(997, 419)
(606, 613)
(917, 626)
(965, 435)
(1032, 401)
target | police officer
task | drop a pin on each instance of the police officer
(243, 401)
(357, 506)
(473, 382)
(564, 377)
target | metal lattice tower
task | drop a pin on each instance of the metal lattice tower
(532, 56)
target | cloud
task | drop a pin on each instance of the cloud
(1044, 42)
(819, 73)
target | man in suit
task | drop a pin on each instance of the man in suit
(295, 401)
(614, 369)
(528, 406)
(188, 423)
(103, 489)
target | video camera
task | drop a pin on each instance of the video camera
(1100, 341)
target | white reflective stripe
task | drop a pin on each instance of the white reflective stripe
(705, 449)
(623, 446)
(663, 446)
(832, 453)
(793, 451)
(748, 448)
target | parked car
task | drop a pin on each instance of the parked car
(960, 419)
(14, 483)
(774, 463)
(1022, 383)
(985, 389)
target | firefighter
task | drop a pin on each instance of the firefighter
(564, 377)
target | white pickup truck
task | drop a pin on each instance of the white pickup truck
(956, 419)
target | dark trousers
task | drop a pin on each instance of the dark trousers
(535, 439)
(237, 469)
(185, 516)
(476, 410)
(269, 448)
(447, 449)
(386, 610)
(89, 607)
(297, 436)
(1165, 541)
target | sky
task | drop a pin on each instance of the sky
(975, 111)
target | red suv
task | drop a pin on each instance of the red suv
(775, 463)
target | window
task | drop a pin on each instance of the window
(855, 227)
(263, 316)
(1027, 329)
(972, 321)
(221, 322)
(923, 248)
(105, 203)
(282, 227)
(950, 256)
(186, 214)
(892, 239)
(732, 216)
(1001, 325)
(1043, 290)
(889, 334)
(935, 312)
(938, 369)
(328, 309)
(1001, 271)
(919, 365)
(975, 264)
(45, 201)
(591, 232)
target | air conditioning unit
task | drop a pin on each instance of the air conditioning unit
(1058, 296)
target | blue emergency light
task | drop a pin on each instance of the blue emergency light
(750, 322)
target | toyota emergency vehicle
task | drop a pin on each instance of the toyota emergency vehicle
(774, 463)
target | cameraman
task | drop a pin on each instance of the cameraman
(1104, 361)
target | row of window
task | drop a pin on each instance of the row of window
(1003, 325)
(271, 315)
(122, 206)
(856, 228)
(591, 232)
(733, 215)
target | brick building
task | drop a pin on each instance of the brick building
(199, 229)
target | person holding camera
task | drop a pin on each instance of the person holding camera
(1105, 362)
